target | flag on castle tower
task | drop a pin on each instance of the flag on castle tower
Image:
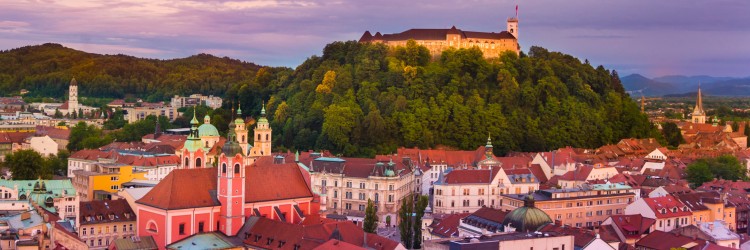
(516, 10)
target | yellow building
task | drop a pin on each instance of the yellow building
(104, 181)
(709, 207)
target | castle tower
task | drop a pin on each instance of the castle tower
(231, 185)
(241, 131)
(512, 24)
(73, 96)
(262, 136)
(488, 148)
(699, 115)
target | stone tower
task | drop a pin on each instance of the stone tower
(231, 185)
(512, 24)
(262, 145)
(73, 96)
(699, 115)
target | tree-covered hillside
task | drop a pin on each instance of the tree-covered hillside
(46, 70)
(362, 99)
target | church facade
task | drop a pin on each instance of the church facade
(203, 196)
(491, 44)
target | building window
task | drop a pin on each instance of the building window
(115, 187)
(390, 198)
(114, 229)
(361, 207)
(348, 206)
(361, 196)
(130, 228)
(376, 197)
(182, 228)
(349, 184)
(200, 227)
(335, 183)
(114, 178)
(198, 162)
(83, 232)
(376, 186)
(361, 185)
(223, 168)
(236, 168)
(335, 193)
(323, 183)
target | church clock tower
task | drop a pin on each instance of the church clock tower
(73, 96)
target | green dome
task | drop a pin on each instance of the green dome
(527, 218)
(207, 130)
(193, 145)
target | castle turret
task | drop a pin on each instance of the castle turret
(193, 153)
(512, 25)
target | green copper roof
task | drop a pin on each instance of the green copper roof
(489, 142)
(231, 147)
(263, 110)
(193, 145)
(239, 109)
(45, 189)
(194, 121)
(207, 129)
(527, 218)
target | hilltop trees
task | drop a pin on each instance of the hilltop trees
(366, 99)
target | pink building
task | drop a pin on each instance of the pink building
(219, 199)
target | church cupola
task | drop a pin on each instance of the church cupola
(262, 135)
(488, 148)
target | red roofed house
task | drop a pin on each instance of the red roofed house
(219, 199)
(668, 212)
(630, 228)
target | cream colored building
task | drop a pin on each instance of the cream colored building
(586, 206)
(467, 190)
(140, 113)
(43, 145)
(346, 184)
(102, 222)
(492, 44)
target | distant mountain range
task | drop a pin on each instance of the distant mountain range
(637, 84)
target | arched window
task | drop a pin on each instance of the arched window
(187, 161)
(206, 143)
(151, 227)
(259, 137)
(223, 168)
(236, 168)
(243, 138)
(267, 137)
(197, 162)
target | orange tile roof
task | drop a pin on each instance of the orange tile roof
(190, 188)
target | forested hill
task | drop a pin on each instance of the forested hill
(46, 70)
(362, 99)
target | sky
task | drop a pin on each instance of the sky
(653, 38)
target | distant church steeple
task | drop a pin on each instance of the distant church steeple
(699, 115)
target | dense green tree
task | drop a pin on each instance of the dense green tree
(698, 173)
(371, 218)
(419, 208)
(724, 167)
(672, 134)
(405, 224)
(83, 136)
(27, 165)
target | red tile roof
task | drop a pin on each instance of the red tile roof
(667, 204)
(660, 240)
(14, 137)
(448, 226)
(52, 132)
(261, 230)
(105, 211)
(632, 223)
(190, 188)
(465, 176)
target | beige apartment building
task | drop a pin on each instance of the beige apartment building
(102, 222)
(586, 206)
(346, 184)
(467, 190)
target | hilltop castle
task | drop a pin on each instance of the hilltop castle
(437, 40)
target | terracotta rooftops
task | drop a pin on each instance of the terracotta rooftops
(667, 207)
(105, 211)
(448, 226)
(465, 176)
(637, 224)
(661, 240)
(191, 188)
(263, 232)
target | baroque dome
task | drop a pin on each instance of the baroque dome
(527, 218)
(207, 129)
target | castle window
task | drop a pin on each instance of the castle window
(237, 168)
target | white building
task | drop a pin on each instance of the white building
(43, 145)
(211, 101)
(668, 212)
